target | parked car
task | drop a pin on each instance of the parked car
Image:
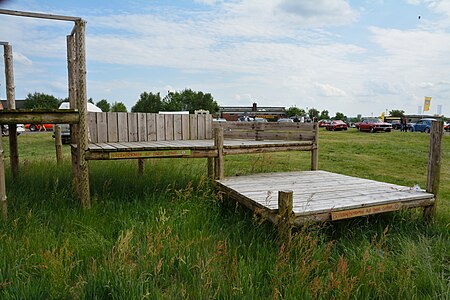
(5, 129)
(65, 128)
(324, 122)
(423, 125)
(447, 127)
(261, 120)
(285, 120)
(39, 127)
(373, 125)
(220, 120)
(336, 125)
(396, 124)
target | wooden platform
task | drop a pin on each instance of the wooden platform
(321, 196)
(187, 148)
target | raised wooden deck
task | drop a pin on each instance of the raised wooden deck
(321, 196)
(187, 148)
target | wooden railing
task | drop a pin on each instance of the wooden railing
(139, 127)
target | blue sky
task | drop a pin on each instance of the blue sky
(356, 57)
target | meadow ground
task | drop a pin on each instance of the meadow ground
(166, 235)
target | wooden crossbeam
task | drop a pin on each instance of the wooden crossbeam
(63, 116)
(37, 15)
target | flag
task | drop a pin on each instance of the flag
(426, 104)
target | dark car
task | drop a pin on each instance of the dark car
(423, 125)
(373, 125)
(336, 125)
(396, 124)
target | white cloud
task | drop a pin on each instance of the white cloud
(329, 91)
(22, 59)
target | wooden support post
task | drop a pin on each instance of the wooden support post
(82, 108)
(3, 183)
(58, 144)
(285, 215)
(259, 129)
(219, 160)
(10, 96)
(315, 151)
(434, 166)
(72, 83)
(141, 166)
(210, 167)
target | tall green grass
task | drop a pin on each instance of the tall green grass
(167, 235)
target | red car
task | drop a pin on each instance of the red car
(39, 127)
(447, 126)
(373, 125)
(323, 123)
(336, 125)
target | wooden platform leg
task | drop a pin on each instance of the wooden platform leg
(210, 167)
(285, 215)
(219, 161)
(75, 172)
(434, 166)
(141, 166)
(315, 151)
(58, 144)
(2, 183)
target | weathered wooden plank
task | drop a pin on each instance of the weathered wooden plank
(193, 127)
(132, 127)
(113, 132)
(122, 123)
(142, 126)
(161, 128)
(208, 127)
(185, 127)
(201, 130)
(102, 127)
(93, 127)
(151, 127)
(177, 127)
(62, 116)
(168, 124)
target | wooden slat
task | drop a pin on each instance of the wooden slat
(193, 127)
(57, 116)
(160, 128)
(177, 127)
(113, 133)
(142, 127)
(208, 127)
(201, 127)
(151, 127)
(168, 124)
(92, 127)
(132, 127)
(102, 127)
(122, 123)
(185, 127)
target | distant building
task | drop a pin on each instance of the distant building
(19, 104)
(271, 113)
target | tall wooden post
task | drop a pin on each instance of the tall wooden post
(141, 166)
(2, 182)
(210, 167)
(285, 215)
(219, 161)
(58, 144)
(10, 96)
(434, 166)
(72, 83)
(315, 151)
(82, 108)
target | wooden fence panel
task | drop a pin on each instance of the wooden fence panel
(122, 123)
(132, 127)
(208, 127)
(113, 133)
(160, 133)
(102, 127)
(201, 127)
(168, 126)
(185, 127)
(151, 127)
(92, 127)
(193, 127)
(142, 127)
(177, 125)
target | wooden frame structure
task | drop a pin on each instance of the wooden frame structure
(76, 116)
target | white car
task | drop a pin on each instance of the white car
(5, 129)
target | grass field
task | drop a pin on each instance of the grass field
(166, 235)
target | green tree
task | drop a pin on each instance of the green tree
(41, 101)
(104, 105)
(324, 115)
(295, 111)
(189, 100)
(118, 107)
(396, 113)
(313, 113)
(148, 102)
(340, 116)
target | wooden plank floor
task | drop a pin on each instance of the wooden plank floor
(322, 193)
